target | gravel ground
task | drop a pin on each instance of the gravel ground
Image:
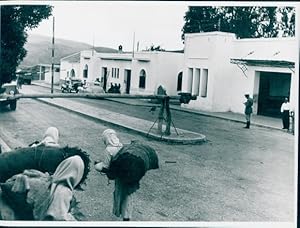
(238, 175)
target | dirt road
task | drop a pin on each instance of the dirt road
(238, 175)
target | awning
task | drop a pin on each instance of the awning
(265, 63)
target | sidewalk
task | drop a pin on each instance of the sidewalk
(144, 127)
(256, 120)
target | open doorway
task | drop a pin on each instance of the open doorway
(273, 88)
(127, 79)
(104, 77)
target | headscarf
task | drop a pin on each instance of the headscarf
(66, 177)
(110, 138)
(51, 137)
(69, 172)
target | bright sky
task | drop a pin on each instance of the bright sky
(110, 24)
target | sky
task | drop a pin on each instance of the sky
(111, 24)
(126, 23)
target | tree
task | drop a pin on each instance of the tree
(245, 22)
(16, 20)
(155, 48)
(287, 25)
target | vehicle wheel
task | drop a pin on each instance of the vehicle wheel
(13, 105)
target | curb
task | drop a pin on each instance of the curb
(197, 140)
(226, 118)
(187, 111)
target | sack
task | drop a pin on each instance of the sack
(42, 158)
(132, 162)
(16, 200)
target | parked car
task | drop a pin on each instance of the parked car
(25, 77)
(71, 85)
(92, 87)
(5, 91)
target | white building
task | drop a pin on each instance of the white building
(219, 69)
(70, 66)
(138, 73)
(83, 65)
(143, 72)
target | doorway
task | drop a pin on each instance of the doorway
(104, 73)
(273, 88)
(127, 80)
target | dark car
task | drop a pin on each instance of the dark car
(71, 85)
(7, 90)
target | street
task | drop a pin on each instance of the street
(237, 175)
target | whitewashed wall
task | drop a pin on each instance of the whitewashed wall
(162, 68)
(66, 67)
(115, 60)
(226, 82)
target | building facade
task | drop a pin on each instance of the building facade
(70, 66)
(220, 69)
(134, 73)
(43, 72)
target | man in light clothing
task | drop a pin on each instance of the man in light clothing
(285, 111)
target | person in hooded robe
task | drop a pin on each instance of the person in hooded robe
(46, 197)
(51, 138)
(122, 197)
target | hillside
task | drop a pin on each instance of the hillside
(39, 49)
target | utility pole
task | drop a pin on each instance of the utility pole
(52, 65)
(93, 45)
(133, 45)
(219, 25)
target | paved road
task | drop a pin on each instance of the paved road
(238, 175)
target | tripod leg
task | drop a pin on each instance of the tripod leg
(152, 127)
(174, 127)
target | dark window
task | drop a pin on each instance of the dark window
(179, 82)
(204, 83)
(72, 73)
(142, 83)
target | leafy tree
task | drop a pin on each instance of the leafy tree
(245, 22)
(155, 48)
(287, 24)
(16, 20)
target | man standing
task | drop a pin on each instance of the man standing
(285, 110)
(248, 109)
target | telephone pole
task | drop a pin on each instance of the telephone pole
(52, 65)
(133, 45)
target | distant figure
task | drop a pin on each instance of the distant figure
(19, 82)
(248, 109)
(118, 88)
(84, 84)
(153, 109)
(111, 89)
(285, 113)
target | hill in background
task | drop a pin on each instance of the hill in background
(39, 50)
